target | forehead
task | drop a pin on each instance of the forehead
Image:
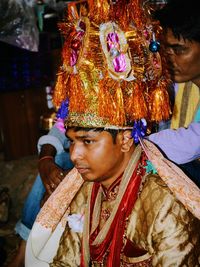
(83, 133)
(170, 39)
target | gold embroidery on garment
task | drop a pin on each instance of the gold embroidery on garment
(150, 226)
(105, 214)
(180, 185)
(129, 262)
(108, 201)
(55, 207)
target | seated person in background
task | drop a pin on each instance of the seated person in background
(186, 110)
(182, 44)
(109, 210)
(54, 162)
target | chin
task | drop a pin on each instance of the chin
(179, 79)
(88, 178)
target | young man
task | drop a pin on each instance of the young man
(109, 211)
(129, 218)
(181, 23)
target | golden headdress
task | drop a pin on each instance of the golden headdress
(109, 75)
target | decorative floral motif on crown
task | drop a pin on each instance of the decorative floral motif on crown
(115, 48)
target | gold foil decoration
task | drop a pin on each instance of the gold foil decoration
(77, 101)
(99, 96)
(120, 13)
(72, 12)
(99, 10)
(60, 91)
(111, 104)
(135, 104)
(66, 53)
(137, 14)
(159, 105)
(106, 98)
(119, 117)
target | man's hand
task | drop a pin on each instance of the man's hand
(51, 174)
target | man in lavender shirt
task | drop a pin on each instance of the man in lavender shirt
(181, 145)
(181, 23)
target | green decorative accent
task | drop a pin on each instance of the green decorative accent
(197, 116)
(150, 168)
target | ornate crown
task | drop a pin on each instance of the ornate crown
(112, 73)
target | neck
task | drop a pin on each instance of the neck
(120, 169)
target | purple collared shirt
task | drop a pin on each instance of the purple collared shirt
(181, 145)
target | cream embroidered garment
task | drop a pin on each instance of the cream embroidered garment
(47, 230)
(159, 225)
(185, 190)
(50, 223)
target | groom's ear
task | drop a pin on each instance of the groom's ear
(127, 141)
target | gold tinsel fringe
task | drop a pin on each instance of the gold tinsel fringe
(119, 12)
(159, 105)
(110, 99)
(119, 117)
(135, 104)
(137, 13)
(66, 54)
(105, 99)
(77, 101)
(99, 10)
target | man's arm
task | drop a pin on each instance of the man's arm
(181, 145)
(50, 147)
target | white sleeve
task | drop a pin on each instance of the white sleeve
(55, 138)
(52, 140)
